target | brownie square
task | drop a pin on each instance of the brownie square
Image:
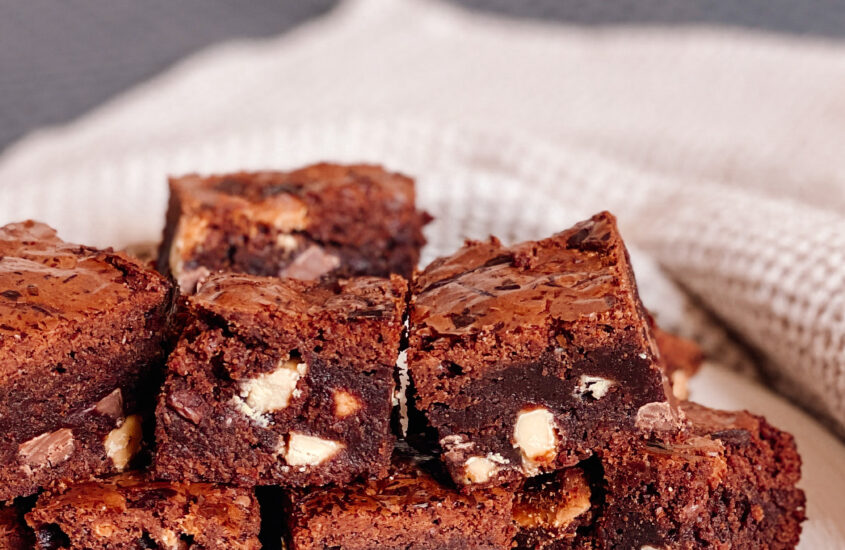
(282, 381)
(82, 340)
(324, 220)
(129, 511)
(729, 482)
(414, 507)
(526, 358)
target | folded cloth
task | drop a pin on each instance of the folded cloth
(715, 148)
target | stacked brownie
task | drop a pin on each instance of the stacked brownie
(528, 358)
(537, 405)
(82, 338)
(282, 382)
(321, 221)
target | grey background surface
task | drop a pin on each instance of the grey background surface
(58, 59)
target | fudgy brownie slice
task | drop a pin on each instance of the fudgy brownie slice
(13, 533)
(324, 220)
(525, 358)
(414, 507)
(77, 324)
(128, 511)
(728, 483)
(682, 359)
(282, 381)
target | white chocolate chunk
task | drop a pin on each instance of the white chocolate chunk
(596, 386)
(680, 385)
(456, 442)
(124, 442)
(287, 242)
(285, 212)
(104, 530)
(400, 395)
(345, 404)
(169, 539)
(308, 450)
(272, 391)
(479, 469)
(535, 436)
(249, 412)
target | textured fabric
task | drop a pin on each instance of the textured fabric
(715, 149)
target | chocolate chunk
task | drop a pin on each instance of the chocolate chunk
(733, 437)
(311, 264)
(657, 417)
(111, 405)
(48, 449)
(11, 295)
(187, 404)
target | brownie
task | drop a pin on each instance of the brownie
(414, 508)
(13, 533)
(525, 358)
(418, 507)
(682, 358)
(282, 381)
(129, 511)
(321, 221)
(82, 341)
(728, 483)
